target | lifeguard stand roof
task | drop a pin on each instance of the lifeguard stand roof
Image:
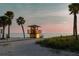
(33, 26)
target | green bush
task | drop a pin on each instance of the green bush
(62, 42)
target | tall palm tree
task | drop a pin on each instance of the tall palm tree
(74, 9)
(21, 21)
(10, 14)
(3, 22)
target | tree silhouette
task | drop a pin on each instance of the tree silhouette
(10, 15)
(74, 9)
(21, 21)
(3, 22)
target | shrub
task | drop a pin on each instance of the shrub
(64, 42)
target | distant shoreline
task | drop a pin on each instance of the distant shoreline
(45, 35)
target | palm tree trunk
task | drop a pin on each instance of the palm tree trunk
(3, 32)
(75, 27)
(8, 31)
(23, 30)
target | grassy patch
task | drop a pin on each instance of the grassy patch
(62, 42)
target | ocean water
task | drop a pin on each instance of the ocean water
(45, 35)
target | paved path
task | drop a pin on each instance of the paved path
(29, 48)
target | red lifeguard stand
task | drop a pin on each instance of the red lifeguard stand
(33, 31)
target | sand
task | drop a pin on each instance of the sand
(27, 47)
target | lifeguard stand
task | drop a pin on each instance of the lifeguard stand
(33, 31)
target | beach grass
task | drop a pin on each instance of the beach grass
(61, 42)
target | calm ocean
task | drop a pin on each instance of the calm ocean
(45, 35)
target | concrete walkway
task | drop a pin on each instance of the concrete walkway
(29, 48)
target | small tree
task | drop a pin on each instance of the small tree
(10, 15)
(74, 9)
(21, 21)
(3, 21)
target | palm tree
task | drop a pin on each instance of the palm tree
(21, 21)
(74, 9)
(10, 14)
(3, 22)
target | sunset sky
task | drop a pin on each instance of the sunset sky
(52, 17)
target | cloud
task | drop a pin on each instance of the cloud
(50, 17)
(57, 27)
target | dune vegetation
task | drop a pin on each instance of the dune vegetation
(61, 42)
